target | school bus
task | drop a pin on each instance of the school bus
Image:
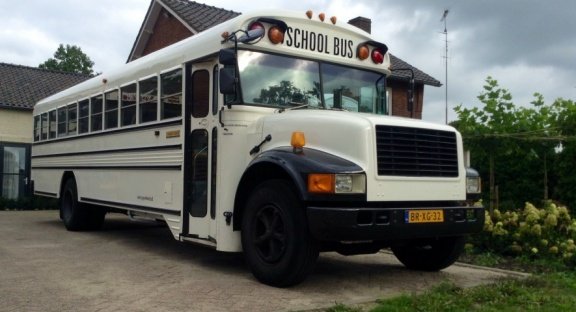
(269, 134)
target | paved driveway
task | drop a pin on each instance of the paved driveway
(136, 266)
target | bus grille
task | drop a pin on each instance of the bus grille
(415, 152)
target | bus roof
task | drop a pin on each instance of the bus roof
(305, 37)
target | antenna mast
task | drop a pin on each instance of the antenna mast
(444, 17)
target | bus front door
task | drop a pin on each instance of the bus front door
(200, 155)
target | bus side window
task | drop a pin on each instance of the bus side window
(83, 116)
(200, 93)
(72, 119)
(111, 110)
(62, 122)
(44, 126)
(96, 114)
(148, 99)
(52, 125)
(171, 98)
(128, 100)
(36, 128)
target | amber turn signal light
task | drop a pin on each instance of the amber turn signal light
(275, 35)
(320, 183)
(363, 52)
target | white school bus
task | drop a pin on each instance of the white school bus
(268, 134)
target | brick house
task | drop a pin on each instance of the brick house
(169, 21)
(20, 88)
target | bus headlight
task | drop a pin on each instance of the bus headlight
(326, 183)
(473, 184)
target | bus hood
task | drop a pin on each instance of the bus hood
(352, 136)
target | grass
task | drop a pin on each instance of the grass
(551, 288)
(549, 292)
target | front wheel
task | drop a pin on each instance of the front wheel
(275, 237)
(430, 254)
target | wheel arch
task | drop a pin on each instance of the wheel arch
(284, 163)
(255, 174)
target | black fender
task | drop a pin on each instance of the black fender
(284, 163)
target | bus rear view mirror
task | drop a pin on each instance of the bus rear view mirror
(227, 57)
(228, 80)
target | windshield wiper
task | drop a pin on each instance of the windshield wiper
(298, 106)
(338, 109)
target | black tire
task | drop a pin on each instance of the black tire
(275, 237)
(430, 254)
(78, 216)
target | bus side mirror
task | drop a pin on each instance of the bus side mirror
(228, 80)
(227, 57)
(228, 76)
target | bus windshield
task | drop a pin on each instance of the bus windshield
(284, 82)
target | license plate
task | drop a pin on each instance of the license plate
(424, 216)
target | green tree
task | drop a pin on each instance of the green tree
(510, 146)
(564, 168)
(69, 59)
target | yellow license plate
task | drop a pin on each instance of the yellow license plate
(424, 216)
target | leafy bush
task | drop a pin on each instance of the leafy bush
(548, 232)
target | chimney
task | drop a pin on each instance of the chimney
(362, 22)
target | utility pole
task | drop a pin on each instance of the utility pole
(444, 17)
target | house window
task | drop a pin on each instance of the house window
(14, 170)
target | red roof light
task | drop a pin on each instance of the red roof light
(377, 56)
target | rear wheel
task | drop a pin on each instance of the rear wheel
(78, 216)
(430, 254)
(275, 237)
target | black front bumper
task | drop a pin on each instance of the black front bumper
(389, 224)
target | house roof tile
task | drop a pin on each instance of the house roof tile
(199, 16)
(419, 76)
(21, 87)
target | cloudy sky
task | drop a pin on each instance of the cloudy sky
(527, 45)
